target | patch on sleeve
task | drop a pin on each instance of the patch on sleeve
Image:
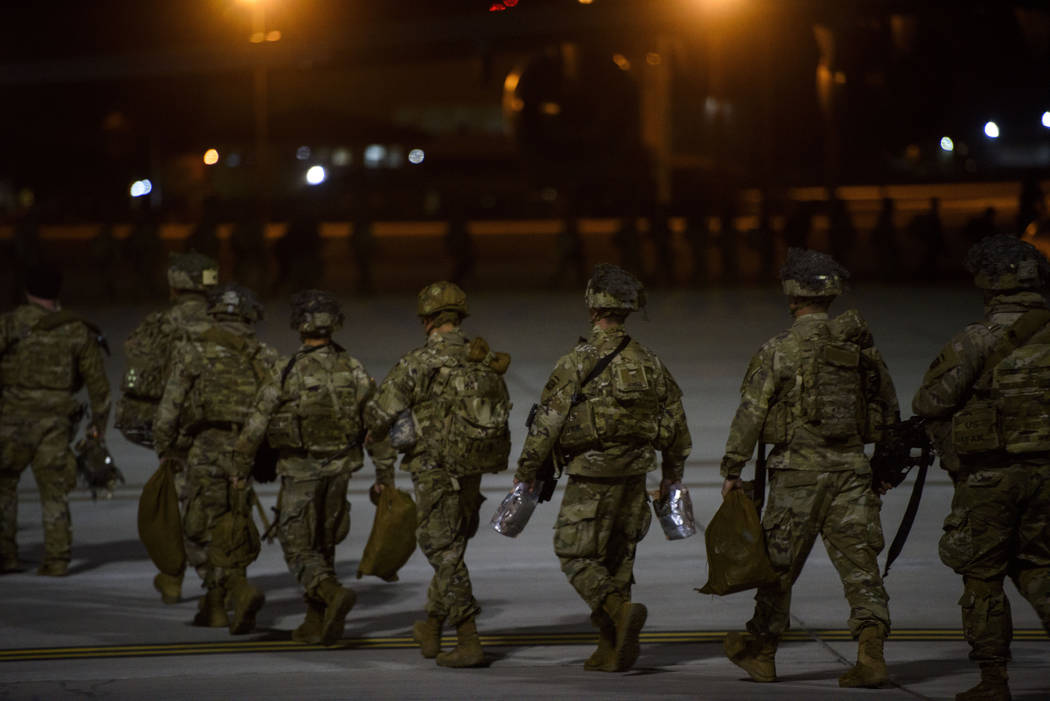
(947, 360)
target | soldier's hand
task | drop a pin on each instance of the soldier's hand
(533, 487)
(730, 484)
(665, 488)
(239, 481)
(883, 488)
(92, 432)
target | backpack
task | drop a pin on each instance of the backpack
(230, 377)
(1010, 407)
(148, 351)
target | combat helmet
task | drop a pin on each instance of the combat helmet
(442, 296)
(1005, 262)
(233, 300)
(316, 313)
(192, 272)
(808, 273)
(611, 287)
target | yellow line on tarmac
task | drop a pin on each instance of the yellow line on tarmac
(404, 642)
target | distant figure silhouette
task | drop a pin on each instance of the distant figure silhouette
(884, 240)
(925, 229)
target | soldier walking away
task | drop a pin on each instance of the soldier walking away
(606, 433)
(149, 351)
(213, 381)
(986, 402)
(453, 388)
(818, 392)
(311, 413)
(46, 355)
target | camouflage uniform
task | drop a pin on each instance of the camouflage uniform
(1000, 514)
(213, 379)
(149, 349)
(42, 367)
(606, 434)
(448, 492)
(313, 413)
(818, 486)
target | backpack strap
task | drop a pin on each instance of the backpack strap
(1019, 333)
(599, 368)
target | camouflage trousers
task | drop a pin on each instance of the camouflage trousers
(194, 555)
(843, 509)
(599, 526)
(42, 442)
(447, 517)
(314, 518)
(999, 526)
(209, 466)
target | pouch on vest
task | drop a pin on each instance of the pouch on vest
(833, 399)
(975, 429)
(1022, 384)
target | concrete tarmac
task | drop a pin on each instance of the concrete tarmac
(102, 632)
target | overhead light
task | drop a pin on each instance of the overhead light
(211, 157)
(315, 175)
(991, 130)
(416, 156)
(141, 188)
(1046, 119)
(947, 144)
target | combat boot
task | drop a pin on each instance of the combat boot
(468, 652)
(309, 631)
(246, 600)
(428, 634)
(53, 568)
(753, 654)
(170, 588)
(628, 619)
(993, 686)
(211, 611)
(10, 566)
(603, 659)
(870, 670)
(338, 602)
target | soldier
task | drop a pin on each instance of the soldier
(149, 349)
(46, 355)
(454, 392)
(818, 392)
(213, 382)
(606, 430)
(986, 402)
(312, 414)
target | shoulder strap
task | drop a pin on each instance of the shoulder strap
(599, 368)
(1027, 326)
(295, 358)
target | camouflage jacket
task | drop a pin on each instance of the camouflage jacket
(316, 369)
(212, 357)
(41, 369)
(947, 383)
(774, 376)
(658, 407)
(407, 386)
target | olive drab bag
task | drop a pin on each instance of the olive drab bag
(1009, 410)
(159, 522)
(465, 422)
(736, 548)
(393, 537)
(148, 351)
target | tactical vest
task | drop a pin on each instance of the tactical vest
(828, 395)
(319, 407)
(1009, 410)
(620, 407)
(35, 358)
(463, 423)
(230, 377)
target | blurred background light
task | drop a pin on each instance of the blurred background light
(416, 156)
(302, 153)
(947, 144)
(621, 61)
(341, 157)
(141, 188)
(273, 35)
(315, 175)
(1046, 119)
(211, 157)
(375, 154)
(991, 130)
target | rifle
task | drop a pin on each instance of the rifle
(551, 468)
(891, 463)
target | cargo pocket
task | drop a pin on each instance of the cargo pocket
(576, 530)
(342, 524)
(956, 545)
(638, 526)
(779, 540)
(439, 519)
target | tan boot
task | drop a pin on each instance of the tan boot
(468, 652)
(428, 634)
(211, 611)
(753, 654)
(246, 600)
(870, 670)
(338, 602)
(170, 588)
(309, 631)
(993, 685)
(53, 568)
(628, 619)
(603, 659)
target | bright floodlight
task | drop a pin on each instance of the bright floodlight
(315, 175)
(416, 156)
(141, 188)
(211, 157)
(991, 130)
(1046, 119)
(947, 144)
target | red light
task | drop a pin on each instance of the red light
(497, 7)
(510, 3)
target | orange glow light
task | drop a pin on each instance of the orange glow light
(274, 35)
(211, 157)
